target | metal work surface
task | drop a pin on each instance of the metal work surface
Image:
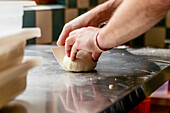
(121, 80)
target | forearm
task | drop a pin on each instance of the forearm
(132, 18)
(102, 12)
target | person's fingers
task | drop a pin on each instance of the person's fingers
(95, 56)
(73, 32)
(96, 90)
(64, 34)
(68, 50)
(83, 97)
(69, 99)
(68, 45)
(76, 96)
(62, 96)
(74, 51)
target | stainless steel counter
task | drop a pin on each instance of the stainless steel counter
(121, 80)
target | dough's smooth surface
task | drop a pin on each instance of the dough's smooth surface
(83, 62)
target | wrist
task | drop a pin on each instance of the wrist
(100, 41)
(105, 40)
(96, 43)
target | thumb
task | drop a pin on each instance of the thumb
(95, 56)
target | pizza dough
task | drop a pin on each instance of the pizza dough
(83, 62)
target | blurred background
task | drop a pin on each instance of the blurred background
(51, 15)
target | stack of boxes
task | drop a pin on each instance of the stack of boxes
(13, 69)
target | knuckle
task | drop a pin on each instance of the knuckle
(83, 28)
(78, 36)
(78, 41)
(67, 27)
(68, 50)
(77, 44)
(67, 40)
(71, 33)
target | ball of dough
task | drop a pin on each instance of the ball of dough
(83, 62)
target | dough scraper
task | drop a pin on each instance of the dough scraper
(59, 53)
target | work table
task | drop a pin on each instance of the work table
(121, 80)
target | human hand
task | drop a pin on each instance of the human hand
(83, 39)
(76, 23)
(94, 17)
(76, 100)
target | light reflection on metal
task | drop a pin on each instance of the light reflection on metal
(51, 89)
